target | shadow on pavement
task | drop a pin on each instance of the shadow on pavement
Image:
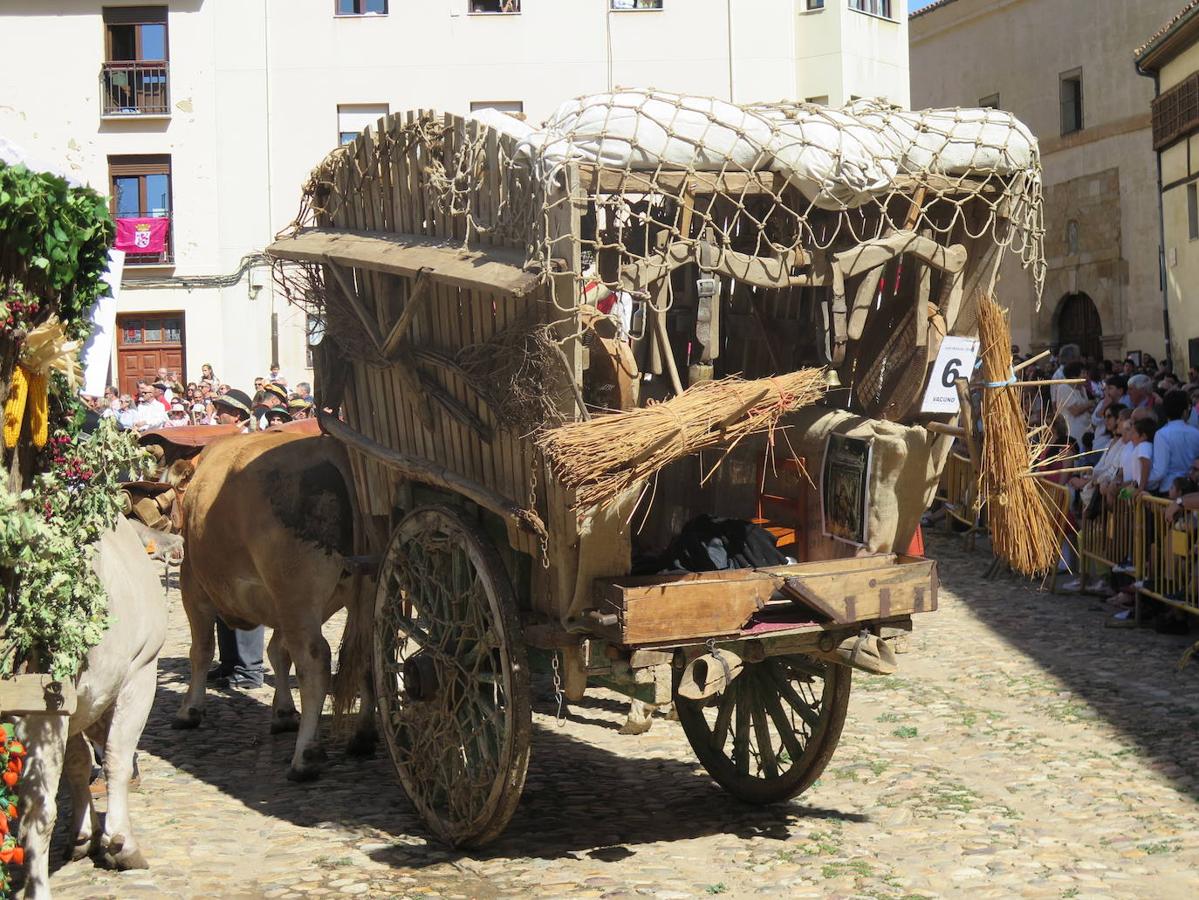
(579, 799)
(1129, 677)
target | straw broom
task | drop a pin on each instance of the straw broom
(1026, 529)
(602, 458)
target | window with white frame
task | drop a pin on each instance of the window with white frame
(620, 5)
(873, 7)
(815, 4)
(361, 7)
(353, 118)
(511, 107)
(493, 7)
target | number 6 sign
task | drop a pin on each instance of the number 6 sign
(955, 360)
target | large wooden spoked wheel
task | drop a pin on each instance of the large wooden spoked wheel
(772, 732)
(452, 676)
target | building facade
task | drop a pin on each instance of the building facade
(1171, 59)
(202, 118)
(1065, 69)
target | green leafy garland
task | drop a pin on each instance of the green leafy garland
(47, 538)
(54, 242)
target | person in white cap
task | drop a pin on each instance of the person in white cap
(177, 417)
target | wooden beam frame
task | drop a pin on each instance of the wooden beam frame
(494, 270)
(417, 293)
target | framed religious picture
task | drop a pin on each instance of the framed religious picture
(845, 488)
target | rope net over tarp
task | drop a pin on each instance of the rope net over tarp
(620, 190)
(700, 170)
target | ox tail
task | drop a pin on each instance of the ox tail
(353, 657)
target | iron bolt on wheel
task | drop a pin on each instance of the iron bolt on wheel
(771, 733)
(452, 676)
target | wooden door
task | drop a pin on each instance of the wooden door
(147, 342)
(1078, 323)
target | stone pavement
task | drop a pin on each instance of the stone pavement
(1022, 750)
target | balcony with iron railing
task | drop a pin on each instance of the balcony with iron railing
(131, 89)
(146, 239)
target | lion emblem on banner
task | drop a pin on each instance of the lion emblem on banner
(141, 235)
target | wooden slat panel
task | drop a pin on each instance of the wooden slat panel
(454, 429)
(386, 175)
(462, 392)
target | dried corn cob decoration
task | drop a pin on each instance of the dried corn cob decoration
(14, 407)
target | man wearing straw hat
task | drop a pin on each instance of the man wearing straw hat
(273, 395)
(299, 408)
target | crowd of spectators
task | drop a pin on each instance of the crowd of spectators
(1135, 423)
(166, 402)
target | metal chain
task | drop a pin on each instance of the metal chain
(560, 716)
(719, 657)
(545, 538)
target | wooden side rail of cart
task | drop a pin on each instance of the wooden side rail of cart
(831, 595)
(644, 629)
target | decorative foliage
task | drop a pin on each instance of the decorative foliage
(47, 538)
(54, 242)
(18, 309)
(12, 764)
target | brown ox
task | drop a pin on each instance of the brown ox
(268, 523)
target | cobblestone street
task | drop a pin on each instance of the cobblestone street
(1022, 750)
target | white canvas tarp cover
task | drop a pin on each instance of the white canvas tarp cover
(838, 158)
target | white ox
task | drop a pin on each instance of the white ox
(116, 690)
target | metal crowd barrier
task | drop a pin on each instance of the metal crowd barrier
(1167, 555)
(959, 492)
(1057, 498)
(1109, 539)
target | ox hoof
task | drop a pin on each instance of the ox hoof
(310, 769)
(84, 847)
(284, 721)
(362, 745)
(187, 719)
(118, 857)
(308, 773)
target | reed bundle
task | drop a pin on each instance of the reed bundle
(1026, 526)
(602, 458)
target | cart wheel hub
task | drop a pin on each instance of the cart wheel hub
(420, 677)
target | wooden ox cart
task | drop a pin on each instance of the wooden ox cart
(431, 242)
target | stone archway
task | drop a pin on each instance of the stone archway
(1077, 322)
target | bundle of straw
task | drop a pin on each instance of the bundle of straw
(602, 458)
(1026, 529)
